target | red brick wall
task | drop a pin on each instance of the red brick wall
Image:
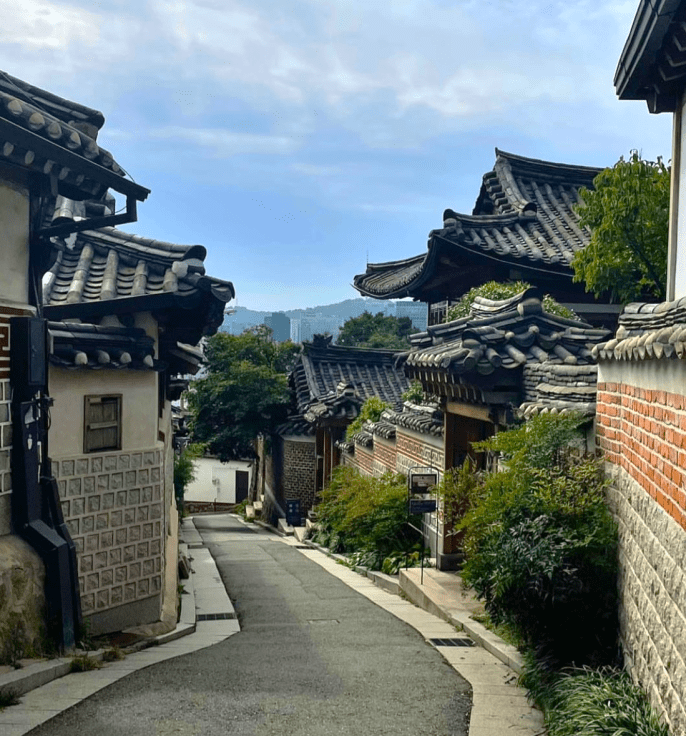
(643, 431)
(385, 455)
(364, 460)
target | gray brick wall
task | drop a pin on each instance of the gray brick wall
(298, 471)
(113, 505)
(652, 589)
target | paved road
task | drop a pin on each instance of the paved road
(313, 658)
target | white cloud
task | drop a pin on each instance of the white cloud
(221, 143)
(38, 24)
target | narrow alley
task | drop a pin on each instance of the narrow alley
(312, 657)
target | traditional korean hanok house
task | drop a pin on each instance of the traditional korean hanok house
(507, 358)
(642, 399)
(508, 355)
(329, 384)
(48, 148)
(125, 312)
(523, 227)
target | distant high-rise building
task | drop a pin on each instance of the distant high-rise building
(416, 311)
(280, 325)
(305, 328)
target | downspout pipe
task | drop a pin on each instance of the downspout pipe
(36, 511)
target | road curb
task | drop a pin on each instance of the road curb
(21, 681)
(425, 596)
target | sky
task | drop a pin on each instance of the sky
(298, 140)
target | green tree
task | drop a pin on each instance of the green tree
(243, 393)
(628, 215)
(376, 331)
(184, 470)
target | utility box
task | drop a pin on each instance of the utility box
(293, 514)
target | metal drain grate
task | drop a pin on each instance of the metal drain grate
(462, 642)
(301, 546)
(215, 616)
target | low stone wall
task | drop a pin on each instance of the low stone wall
(113, 506)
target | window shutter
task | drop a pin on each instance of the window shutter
(102, 425)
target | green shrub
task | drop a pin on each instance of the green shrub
(84, 663)
(184, 470)
(457, 493)
(585, 702)
(541, 546)
(8, 697)
(370, 411)
(365, 515)
(494, 290)
(414, 394)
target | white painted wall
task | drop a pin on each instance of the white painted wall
(223, 489)
(139, 406)
(677, 260)
(14, 239)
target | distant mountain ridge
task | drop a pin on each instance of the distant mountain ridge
(243, 318)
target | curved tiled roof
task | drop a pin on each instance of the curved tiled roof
(78, 346)
(648, 331)
(422, 419)
(36, 125)
(524, 216)
(477, 353)
(652, 64)
(111, 272)
(322, 367)
(297, 426)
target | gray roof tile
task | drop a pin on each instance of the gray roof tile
(550, 358)
(648, 331)
(524, 215)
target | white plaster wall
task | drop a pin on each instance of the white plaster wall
(14, 239)
(224, 491)
(661, 375)
(679, 202)
(139, 406)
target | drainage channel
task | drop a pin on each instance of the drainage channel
(457, 642)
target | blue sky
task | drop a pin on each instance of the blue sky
(298, 140)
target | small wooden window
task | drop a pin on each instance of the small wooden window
(102, 423)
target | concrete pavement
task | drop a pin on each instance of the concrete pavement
(498, 705)
(205, 596)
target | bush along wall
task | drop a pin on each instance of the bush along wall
(366, 518)
(541, 546)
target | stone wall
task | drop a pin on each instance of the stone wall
(299, 470)
(641, 428)
(22, 600)
(113, 505)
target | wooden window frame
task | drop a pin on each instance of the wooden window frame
(91, 400)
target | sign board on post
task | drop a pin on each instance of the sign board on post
(422, 506)
(422, 480)
(293, 517)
